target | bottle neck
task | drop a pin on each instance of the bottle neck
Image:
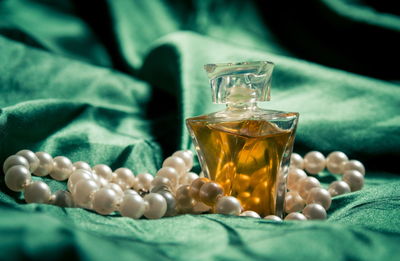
(241, 106)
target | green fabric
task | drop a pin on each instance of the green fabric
(112, 83)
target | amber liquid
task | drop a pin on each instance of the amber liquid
(244, 157)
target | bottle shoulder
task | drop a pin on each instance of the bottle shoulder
(237, 115)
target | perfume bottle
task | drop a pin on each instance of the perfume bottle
(244, 148)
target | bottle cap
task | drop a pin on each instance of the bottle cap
(241, 82)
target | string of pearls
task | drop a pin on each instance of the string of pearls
(174, 189)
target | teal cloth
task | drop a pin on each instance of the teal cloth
(113, 81)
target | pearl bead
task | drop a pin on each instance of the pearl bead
(314, 211)
(130, 192)
(319, 196)
(183, 198)
(338, 188)
(103, 171)
(354, 165)
(306, 184)
(132, 206)
(144, 181)
(200, 207)
(314, 162)
(176, 163)
(101, 182)
(82, 165)
(62, 198)
(210, 192)
(83, 192)
(295, 216)
(169, 173)
(228, 205)
(15, 160)
(296, 161)
(105, 201)
(171, 203)
(354, 178)
(188, 178)
(46, 164)
(187, 158)
(293, 202)
(273, 218)
(335, 161)
(293, 178)
(117, 189)
(195, 187)
(62, 169)
(31, 158)
(37, 192)
(125, 177)
(157, 206)
(250, 213)
(160, 184)
(17, 177)
(76, 176)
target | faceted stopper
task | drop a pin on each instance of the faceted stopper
(240, 82)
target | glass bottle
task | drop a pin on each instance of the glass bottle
(244, 148)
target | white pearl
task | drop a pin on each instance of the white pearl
(132, 206)
(314, 211)
(335, 161)
(103, 171)
(62, 169)
(187, 158)
(130, 192)
(76, 176)
(82, 165)
(319, 196)
(17, 177)
(102, 182)
(83, 192)
(293, 178)
(62, 198)
(184, 201)
(296, 161)
(15, 160)
(354, 178)
(171, 203)
(31, 158)
(228, 205)
(157, 206)
(354, 165)
(273, 218)
(338, 188)
(169, 173)
(306, 184)
(293, 202)
(126, 176)
(176, 163)
(314, 162)
(250, 213)
(105, 201)
(37, 192)
(46, 164)
(295, 216)
(189, 152)
(117, 189)
(188, 178)
(144, 181)
(161, 184)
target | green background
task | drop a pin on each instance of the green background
(112, 81)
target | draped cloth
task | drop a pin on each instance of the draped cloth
(111, 82)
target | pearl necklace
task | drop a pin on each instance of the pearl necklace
(174, 189)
